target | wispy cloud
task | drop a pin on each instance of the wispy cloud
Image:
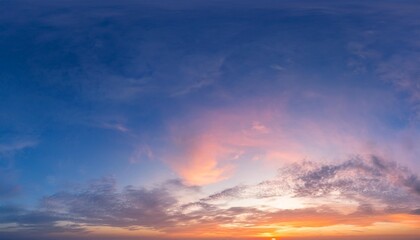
(402, 72)
(16, 145)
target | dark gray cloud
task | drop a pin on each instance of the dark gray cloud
(413, 182)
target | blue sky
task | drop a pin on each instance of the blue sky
(178, 101)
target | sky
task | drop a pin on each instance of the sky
(194, 119)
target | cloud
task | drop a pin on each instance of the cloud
(393, 61)
(9, 146)
(199, 163)
(413, 182)
(16, 145)
(358, 179)
(141, 153)
(102, 204)
(115, 126)
(369, 190)
(402, 72)
(373, 179)
(205, 146)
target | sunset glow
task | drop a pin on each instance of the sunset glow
(209, 119)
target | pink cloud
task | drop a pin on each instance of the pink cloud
(206, 145)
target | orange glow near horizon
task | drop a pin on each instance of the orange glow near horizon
(389, 225)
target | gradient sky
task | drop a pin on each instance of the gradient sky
(193, 119)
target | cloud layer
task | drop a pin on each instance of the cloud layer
(357, 192)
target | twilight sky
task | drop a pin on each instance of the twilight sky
(194, 119)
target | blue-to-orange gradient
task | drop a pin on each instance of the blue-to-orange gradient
(209, 119)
